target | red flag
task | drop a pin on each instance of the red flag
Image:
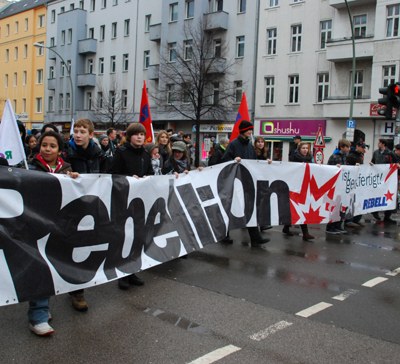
(243, 114)
(145, 116)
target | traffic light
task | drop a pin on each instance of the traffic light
(391, 99)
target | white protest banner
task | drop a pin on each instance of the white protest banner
(59, 234)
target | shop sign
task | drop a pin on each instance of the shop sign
(290, 128)
(23, 116)
(216, 128)
(374, 108)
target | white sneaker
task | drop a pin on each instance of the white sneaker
(42, 329)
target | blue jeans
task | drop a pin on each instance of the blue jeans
(38, 311)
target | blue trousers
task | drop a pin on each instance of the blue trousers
(38, 311)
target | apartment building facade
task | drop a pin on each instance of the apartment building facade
(305, 70)
(22, 72)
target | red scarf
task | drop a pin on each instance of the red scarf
(60, 163)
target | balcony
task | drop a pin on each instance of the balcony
(217, 66)
(86, 80)
(155, 32)
(216, 21)
(342, 50)
(87, 46)
(153, 72)
(51, 84)
(339, 4)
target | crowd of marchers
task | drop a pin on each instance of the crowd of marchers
(171, 153)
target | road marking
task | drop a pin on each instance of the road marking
(216, 355)
(373, 282)
(261, 335)
(345, 294)
(314, 309)
(394, 272)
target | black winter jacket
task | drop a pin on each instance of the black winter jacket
(84, 160)
(240, 147)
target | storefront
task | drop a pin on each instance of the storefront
(279, 133)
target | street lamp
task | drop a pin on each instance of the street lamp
(40, 45)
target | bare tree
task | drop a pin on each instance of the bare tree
(110, 106)
(194, 79)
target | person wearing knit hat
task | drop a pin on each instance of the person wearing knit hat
(238, 149)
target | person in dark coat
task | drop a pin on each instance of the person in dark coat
(132, 160)
(179, 161)
(293, 147)
(238, 149)
(301, 155)
(218, 152)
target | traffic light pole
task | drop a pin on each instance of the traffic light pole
(350, 131)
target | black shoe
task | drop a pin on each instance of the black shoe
(265, 227)
(226, 240)
(388, 220)
(135, 280)
(376, 216)
(123, 283)
(332, 232)
(287, 232)
(261, 242)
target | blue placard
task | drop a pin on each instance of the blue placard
(351, 123)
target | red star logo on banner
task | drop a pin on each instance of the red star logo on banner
(389, 196)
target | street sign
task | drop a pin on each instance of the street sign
(319, 139)
(351, 124)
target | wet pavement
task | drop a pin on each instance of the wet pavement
(332, 300)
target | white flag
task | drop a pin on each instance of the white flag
(11, 147)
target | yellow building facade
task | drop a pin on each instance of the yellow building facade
(22, 71)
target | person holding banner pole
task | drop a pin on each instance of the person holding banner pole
(47, 160)
(238, 149)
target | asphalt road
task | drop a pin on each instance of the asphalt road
(335, 300)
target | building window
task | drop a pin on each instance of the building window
(91, 33)
(102, 32)
(111, 98)
(124, 99)
(389, 75)
(146, 59)
(100, 100)
(126, 27)
(392, 20)
(7, 30)
(89, 68)
(81, 4)
(103, 4)
(189, 9)
(53, 16)
(114, 30)
(216, 5)
(101, 65)
(70, 36)
(71, 6)
(125, 62)
(62, 9)
(92, 5)
(40, 50)
(360, 26)
(240, 46)
(25, 51)
(273, 3)
(16, 27)
(269, 90)
(325, 33)
(271, 41)
(217, 48)
(50, 103)
(6, 80)
(170, 93)
(39, 76)
(241, 6)
(51, 72)
(60, 102)
(62, 69)
(52, 42)
(173, 12)
(67, 101)
(15, 83)
(215, 93)
(188, 49)
(39, 104)
(322, 86)
(41, 21)
(15, 53)
(238, 91)
(115, 2)
(62, 38)
(358, 84)
(88, 100)
(112, 64)
(296, 38)
(147, 23)
(172, 52)
(294, 89)
(24, 78)
(26, 21)
(7, 55)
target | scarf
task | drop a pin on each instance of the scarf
(59, 164)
